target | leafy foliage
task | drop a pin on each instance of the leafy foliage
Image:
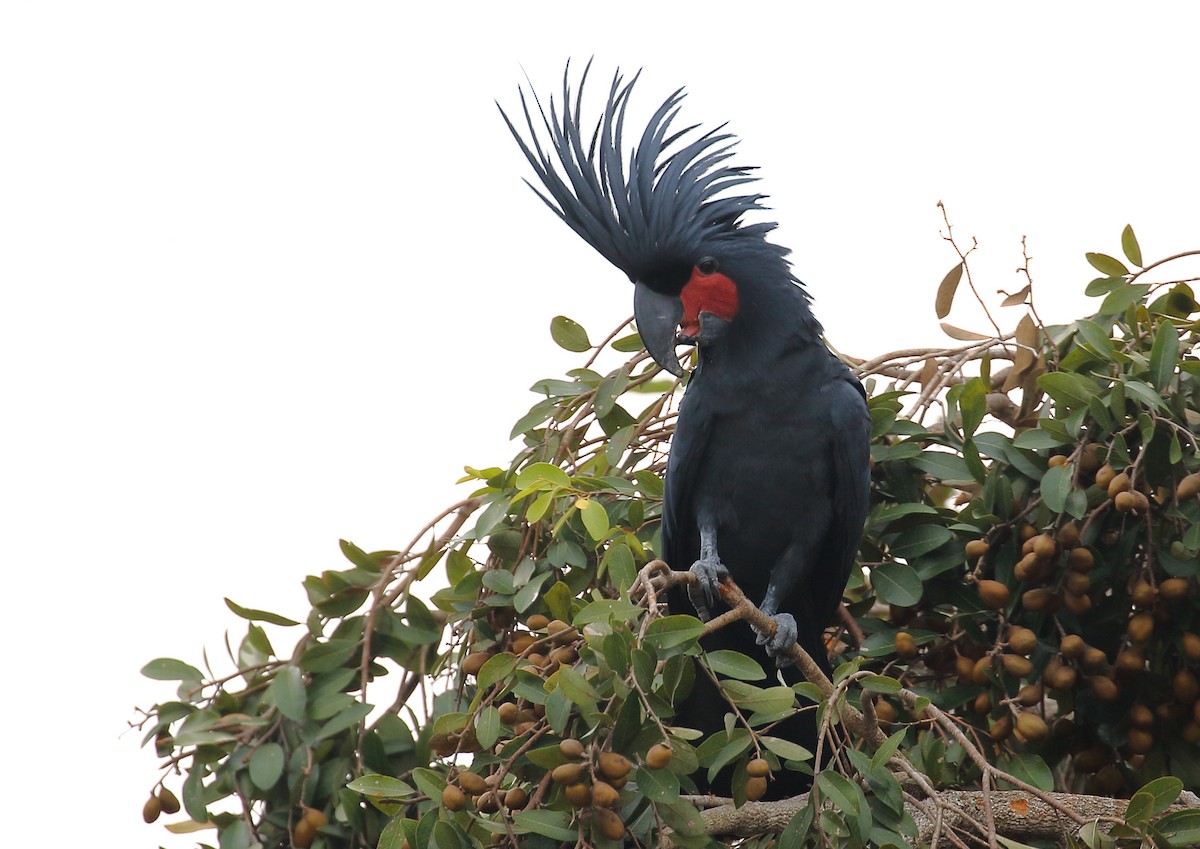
(1027, 569)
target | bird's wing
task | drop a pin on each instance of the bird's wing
(680, 533)
(846, 401)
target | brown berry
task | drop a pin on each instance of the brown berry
(152, 809)
(453, 799)
(1030, 694)
(906, 646)
(1001, 728)
(516, 797)
(1141, 716)
(1063, 678)
(1191, 645)
(993, 594)
(1095, 661)
(1119, 484)
(1056, 460)
(613, 765)
(509, 713)
(315, 817)
(1077, 604)
(1130, 662)
(1140, 627)
(1045, 547)
(1125, 502)
(1039, 600)
(522, 642)
(1068, 535)
(609, 823)
(1185, 686)
(756, 788)
(1078, 582)
(604, 795)
(303, 834)
(982, 667)
(760, 768)
(1143, 594)
(885, 711)
(537, 622)
(659, 756)
(1104, 688)
(1105, 475)
(1140, 741)
(983, 702)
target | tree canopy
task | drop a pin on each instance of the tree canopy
(1016, 663)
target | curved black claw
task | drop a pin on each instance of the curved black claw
(779, 642)
(703, 591)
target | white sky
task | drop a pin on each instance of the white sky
(270, 277)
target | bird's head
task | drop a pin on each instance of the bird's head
(663, 213)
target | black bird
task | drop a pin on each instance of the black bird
(768, 474)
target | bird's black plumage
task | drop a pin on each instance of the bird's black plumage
(768, 470)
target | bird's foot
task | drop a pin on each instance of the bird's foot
(703, 591)
(778, 643)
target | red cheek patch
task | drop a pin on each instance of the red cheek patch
(714, 293)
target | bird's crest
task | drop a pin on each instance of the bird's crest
(653, 211)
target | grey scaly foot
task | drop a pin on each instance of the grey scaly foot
(783, 638)
(703, 591)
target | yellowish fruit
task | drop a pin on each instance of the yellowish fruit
(315, 817)
(1077, 604)
(1174, 589)
(1001, 728)
(1030, 694)
(1032, 727)
(568, 773)
(1140, 627)
(1056, 460)
(1063, 678)
(1068, 535)
(453, 799)
(1039, 600)
(1094, 660)
(472, 783)
(1185, 686)
(1143, 594)
(963, 666)
(608, 823)
(522, 642)
(659, 756)
(579, 795)
(509, 713)
(993, 594)
(1081, 560)
(1104, 688)
(982, 666)
(1029, 568)
(976, 548)
(1072, 646)
(571, 749)
(474, 662)
(1141, 716)
(1191, 645)
(1130, 662)
(1119, 484)
(303, 834)
(516, 797)
(168, 800)
(613, 765)
(885, 711)
(604, 795)
(1140, 741)
(1125, 502)
(756, 788)
(537, 622)
(1078, 583)
(1189, 487)
(1017, 666)
(1105, 475)
(760, 768)
(906, 646)
(1022, 640)
(152, 809)
(1045, 547)
(983, 702)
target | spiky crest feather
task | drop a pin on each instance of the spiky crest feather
(668, 208)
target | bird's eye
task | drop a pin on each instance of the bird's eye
(708, 265)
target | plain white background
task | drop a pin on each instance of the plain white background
(270, 277)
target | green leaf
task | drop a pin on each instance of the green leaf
(657, 785)
(288, 693)
(380, 785)
(1056, 486)
(259, 615)
(1121, 298)
(497, 668)
(1032, 770)
(944, 466)
(972, 403)
(1102, 286)
(1163, 791)
(734, 664)
(880, 684)
(325, 657)
(946, 290)
(170, 669)
(487, 726)
(595, 518)
(266, 765)
(889, 748)
(558, 599)
(785, 749)
(628, 344)
(1129, 244)
(1068, 390)
(1106, 264)
(575, 687)
(897, 583)
(767, 700)
(552, 824)
(671, 632)
(542, 476)
(569, 334)
(1163, 355)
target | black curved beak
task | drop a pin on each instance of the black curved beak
(657, 318)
